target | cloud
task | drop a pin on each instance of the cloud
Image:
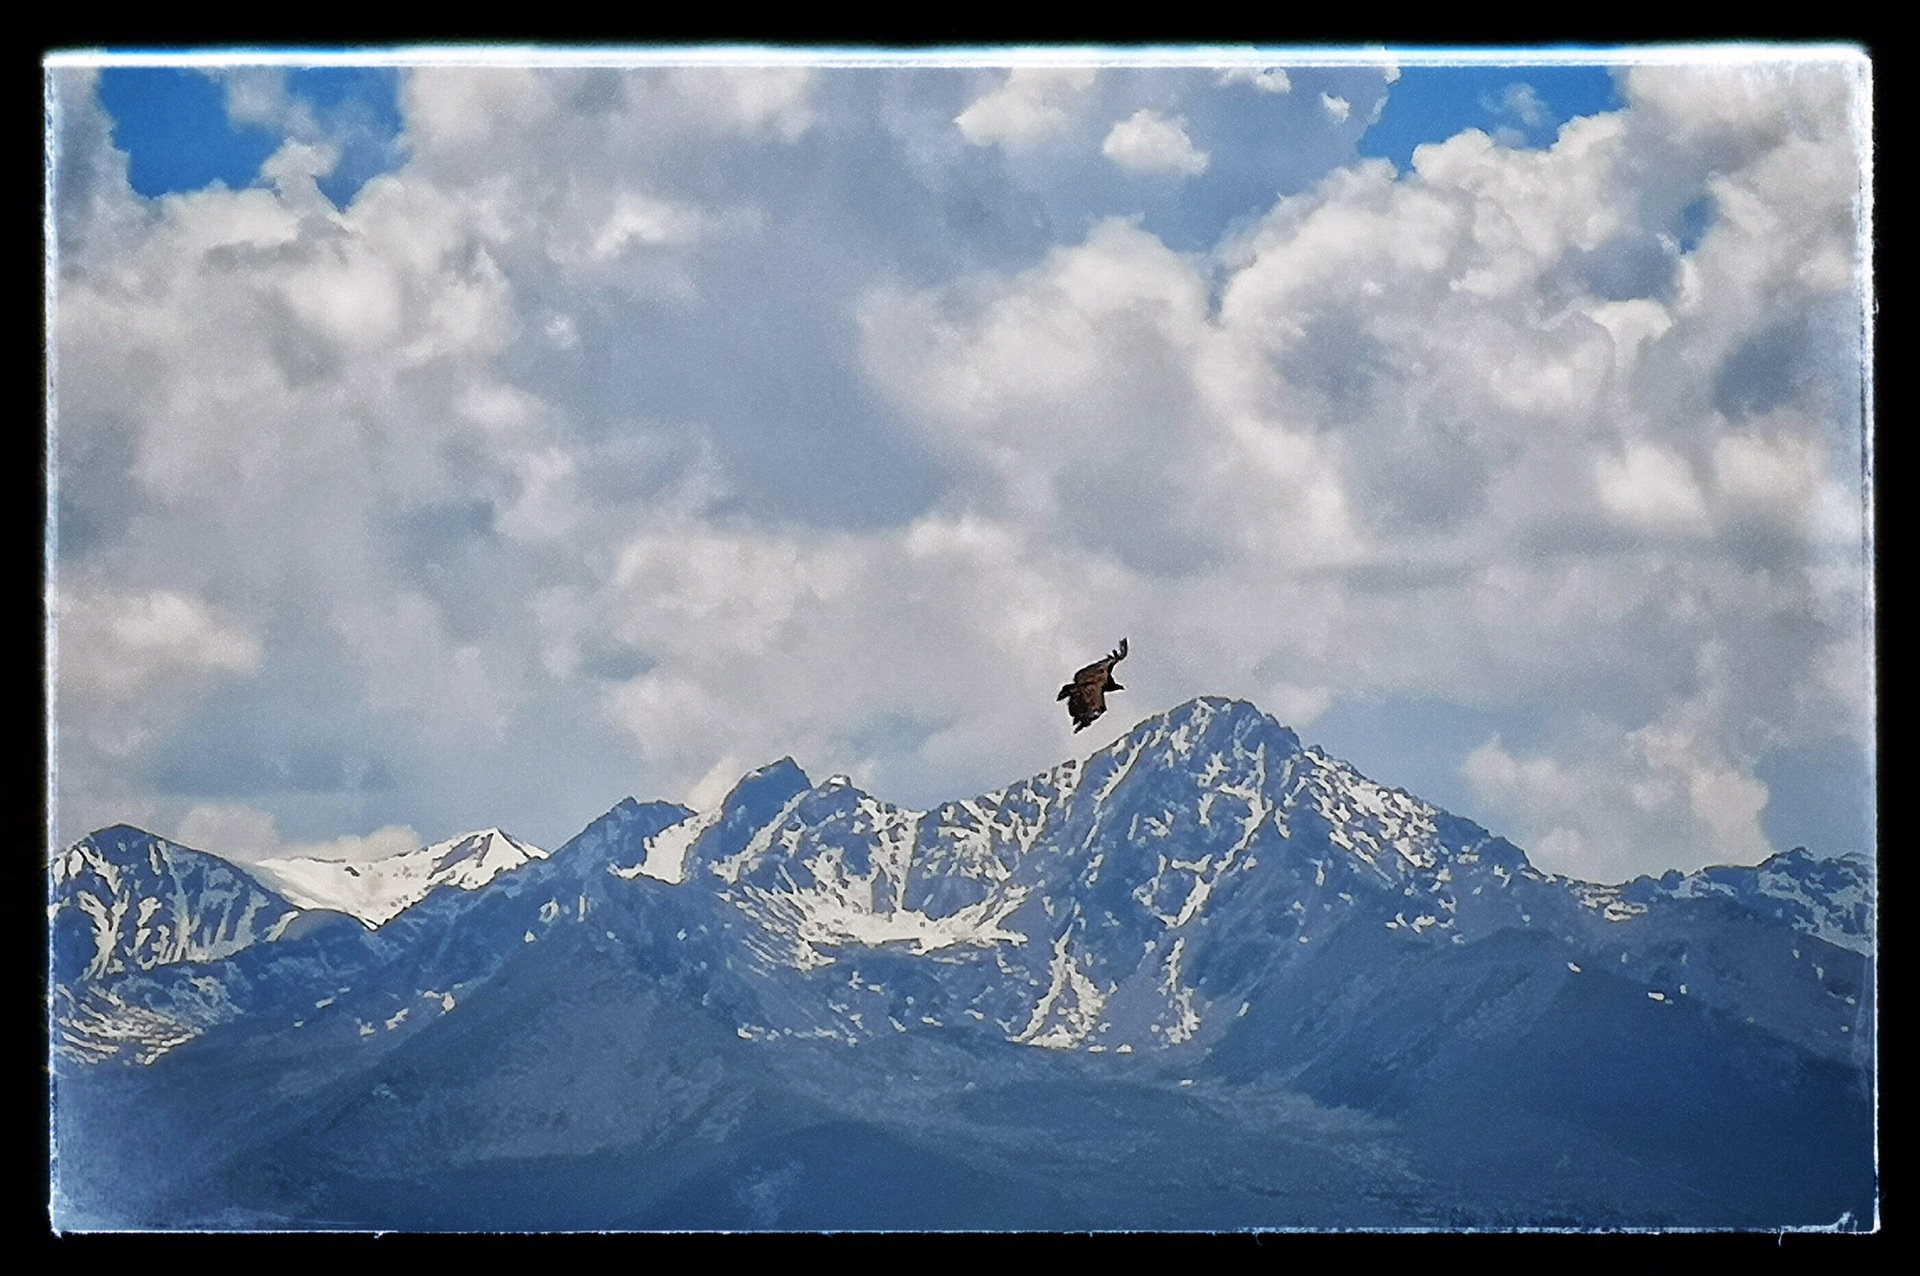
(454, 108)
(637, 219)
(343, 116)
(1592, 814)
(1146, 142)
(1521, 102)
(119, 647)
(247, 835)
(642, 427)
(130, 665)
(258, 95)
(1651, 487)
(1032, 105)
(1267, 79)
(1502, 427)
(751, 100)
(1337, 107)
(229, 830)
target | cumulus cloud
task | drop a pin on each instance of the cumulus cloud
(515, 450)
(129, 664)
(1267, 79)
(1592, 814)
(1032, 105)
(117, 646)
(258, 95)
(752, 99)
(248, 835)
(454, 107)
(1651, 487)
(1146, 142)
(1524, 104)
(1337, 107)
(1381, 359)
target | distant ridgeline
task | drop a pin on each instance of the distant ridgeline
(1204, 979)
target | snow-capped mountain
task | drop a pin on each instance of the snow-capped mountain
(377, 891)
(1368, 1011)
(353, 983)
(123, 900)
(1832, 899)
(123, 905)
(1136, 901)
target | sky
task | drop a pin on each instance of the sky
(442, 442)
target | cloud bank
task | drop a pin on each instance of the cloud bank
(644, 425)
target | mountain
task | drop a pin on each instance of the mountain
(1206, 977)
(377, 891)
(1832, 899)
(124, 904)
(138, 991)
(123, 900)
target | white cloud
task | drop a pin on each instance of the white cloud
(1774, 476)
(1270, 79)
(639, 219)
(712, 788)
(117, 646)
(1148, 142)
(410, 664)
(749, 100)
(231, 830)
(1651, 487)
(561, 331)
(458, 107)
(246, 835)
(1608, 811)
(1297, 706)
(257, 95)
(383, 843)
(1524, 104)
(1337, 107)
(1631, 324)
(1429, 293)
(1032, 105)
(1400, 436)
(1757, 104)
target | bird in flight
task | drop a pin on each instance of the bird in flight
(1086, 695)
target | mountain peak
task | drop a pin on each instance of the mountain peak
(377, 891)
(761, 792)
(124, 899)
(783, 771)
(1213, 719)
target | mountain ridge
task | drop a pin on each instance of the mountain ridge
(377, 891)
(1208, 915)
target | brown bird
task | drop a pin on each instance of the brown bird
(1086, 695)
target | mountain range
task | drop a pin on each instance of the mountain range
(1205, 978)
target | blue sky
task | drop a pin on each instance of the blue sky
(180, 133)
(1526, 104)
(443, 446)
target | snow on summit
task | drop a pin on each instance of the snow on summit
(378, 891)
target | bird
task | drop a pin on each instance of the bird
(1086, 695)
